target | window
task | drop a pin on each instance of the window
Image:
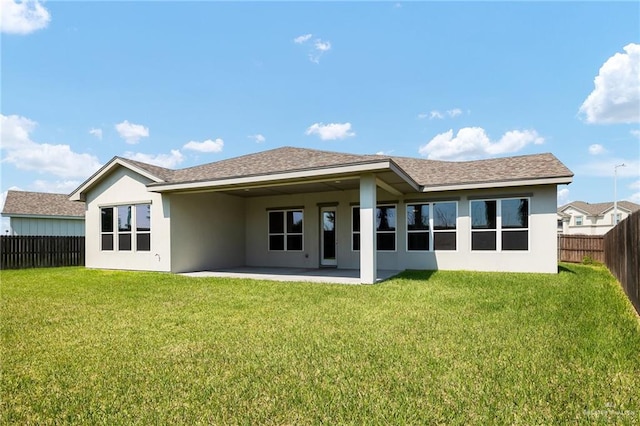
(578, 220)
(444, 225)
(106, 228)
(619, 216)
(285, 230)
(515, 224)
(133, 224)
(431, 222)
(418, 227)
(124, 227)
(385, 228)
(500, 224)
(143, 227)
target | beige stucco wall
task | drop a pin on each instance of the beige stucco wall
(123, 187)
(201, 231)
(541, 256)
(208, 231)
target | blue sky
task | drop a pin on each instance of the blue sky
(179, 84)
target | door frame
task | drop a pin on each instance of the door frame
(328, 262)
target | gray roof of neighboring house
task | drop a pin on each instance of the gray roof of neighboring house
(41, 204)
(594, 209)
(428, 173)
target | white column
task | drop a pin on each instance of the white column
(368, 255)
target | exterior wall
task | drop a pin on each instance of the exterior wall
(591, 225)
(207, 231)
(541, 256)
(46, 226)
(124, 187)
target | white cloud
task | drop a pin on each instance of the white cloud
(635, 185)
(596, 149)
(322, 46)
(14, 131)
(331, 131)
(96, 132)
(317, 50)
(616, 96)
(258, 138)
(563, 196)
(23, 17)
(435, 114)
(423, 115)
(168, 161)
(58, 186)
(302, 39)
(473, 142)
(454, 112)
(635, 133)
(387, 153)
(26, 154)
(132, 133)
(205, 146)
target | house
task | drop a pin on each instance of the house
(296, 207)
(579, 217)
(40, 213)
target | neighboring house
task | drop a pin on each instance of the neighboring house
(583, 218)
(40, 213)
(295, 207)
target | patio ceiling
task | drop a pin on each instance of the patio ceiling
(388, 177)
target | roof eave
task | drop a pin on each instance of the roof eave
(79, 193)
(42, 216)
(499, 184)
(301, 176)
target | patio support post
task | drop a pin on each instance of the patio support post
(368, 256)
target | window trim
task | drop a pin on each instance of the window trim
(285, 233)
(581, 217)
(116, 233)
(394, 232)
(431, 230)
(499, 230)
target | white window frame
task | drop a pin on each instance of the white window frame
(285, 232)
(394, 232)
(431, 231)
(499, 230)
(115, 233)
(579, 218)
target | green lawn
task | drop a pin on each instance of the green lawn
(107, 347)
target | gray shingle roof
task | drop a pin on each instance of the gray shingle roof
(428, 173)
(285, 159)
(432, 173)
(161, 172)
(594, 209)
(41, 204)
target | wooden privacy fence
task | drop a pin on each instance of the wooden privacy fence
(622, 253)
(574, 248)
(17, 252)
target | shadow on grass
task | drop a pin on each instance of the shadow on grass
(416, 275)
(562, 268)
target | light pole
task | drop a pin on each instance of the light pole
(615, 193)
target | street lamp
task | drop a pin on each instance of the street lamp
(615, 193)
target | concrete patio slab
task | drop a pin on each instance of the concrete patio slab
(322, 275)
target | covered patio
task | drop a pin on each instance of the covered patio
(319, 275)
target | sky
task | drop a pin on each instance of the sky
(179, 84)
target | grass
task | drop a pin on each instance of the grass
(108, 347)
